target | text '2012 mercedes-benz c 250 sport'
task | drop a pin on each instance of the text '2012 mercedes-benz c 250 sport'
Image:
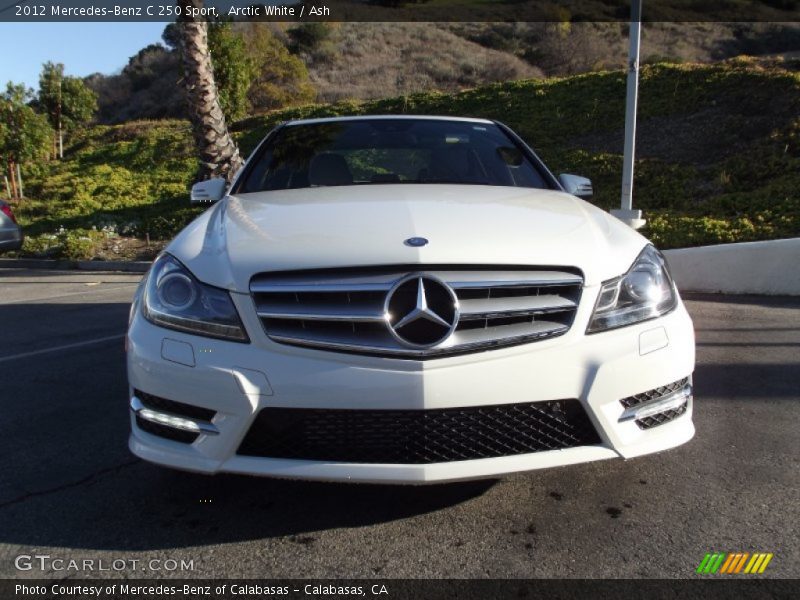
(404, 299)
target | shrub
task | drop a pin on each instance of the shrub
(308, 37)
(280, 78)
(78, 244)
(234, 69)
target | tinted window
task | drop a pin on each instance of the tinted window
(384, 151)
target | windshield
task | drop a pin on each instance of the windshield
(381, 151)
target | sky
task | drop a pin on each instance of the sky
(84, 48)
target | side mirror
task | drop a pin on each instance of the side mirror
(209, 191)
(576, 185)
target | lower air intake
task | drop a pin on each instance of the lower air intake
(418, 436)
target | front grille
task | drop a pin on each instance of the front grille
(356, 310)
(418, 436)
(170, 433)
(654, 394)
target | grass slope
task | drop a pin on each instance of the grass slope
(718, 154)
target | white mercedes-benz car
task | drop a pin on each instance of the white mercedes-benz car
(404, 299)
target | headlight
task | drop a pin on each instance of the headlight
(645, 292)
(173, 298)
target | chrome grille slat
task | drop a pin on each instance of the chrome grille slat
(314, 282)
(465, 285)
(460, 342)
(323, 313)
(487, 308)
(506, 334)
(467, 279)
(372, 342)
(320, 287)
(345, 310)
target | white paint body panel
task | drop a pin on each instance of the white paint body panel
(242, 236)
(366, 225)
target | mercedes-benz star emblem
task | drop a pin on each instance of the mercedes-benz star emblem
(421, 311)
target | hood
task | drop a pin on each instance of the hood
(367, 225)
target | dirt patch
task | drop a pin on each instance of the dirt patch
(127, 248)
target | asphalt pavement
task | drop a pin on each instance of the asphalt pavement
(69, 488)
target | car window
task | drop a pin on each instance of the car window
(390, 151)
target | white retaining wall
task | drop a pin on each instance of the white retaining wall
(771, 267)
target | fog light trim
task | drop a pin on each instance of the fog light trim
(170, 420)
(659, 405)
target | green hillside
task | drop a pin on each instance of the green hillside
(718, 154)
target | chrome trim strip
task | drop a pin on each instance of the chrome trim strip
(500, 277)
(452, 348)
(301, 315)
(659, 405)
(518, 306)
(465, 285)
(171, 420)
(504, 333)
(289, 288)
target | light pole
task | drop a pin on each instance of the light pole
(60, 134)
(626, 213)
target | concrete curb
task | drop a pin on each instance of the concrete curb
(768, 268)
(126, 266)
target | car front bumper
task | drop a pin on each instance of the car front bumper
(236, 381)
(11, 238)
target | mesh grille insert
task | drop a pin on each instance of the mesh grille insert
(418, 436)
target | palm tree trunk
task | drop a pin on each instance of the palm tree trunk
(219, 154)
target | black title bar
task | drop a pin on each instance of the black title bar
(402, 10)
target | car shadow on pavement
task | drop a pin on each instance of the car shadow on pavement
(774, 381)
(68, 480)
(137, 506)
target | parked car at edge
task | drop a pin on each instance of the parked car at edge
(11, 236)
(405, 299)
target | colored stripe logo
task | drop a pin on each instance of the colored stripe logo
(733, 563)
